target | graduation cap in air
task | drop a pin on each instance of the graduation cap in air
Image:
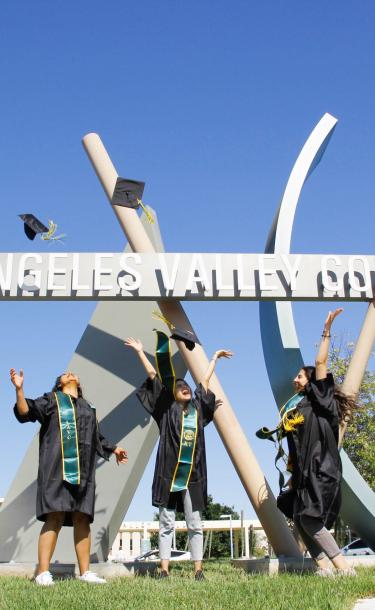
(128, 193)
(180, 334)
(32, 225)
(187, 336)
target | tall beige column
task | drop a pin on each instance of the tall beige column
(225, 420)
(359, 360)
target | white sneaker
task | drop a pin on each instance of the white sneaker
(325, 572)
(92, 578)
(44, 579)
(346, 572)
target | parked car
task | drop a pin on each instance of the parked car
(357, 547)
(153, 555)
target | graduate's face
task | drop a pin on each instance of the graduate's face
(182, 391)
(300, 380)
(68, 378)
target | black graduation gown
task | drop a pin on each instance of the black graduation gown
(314, 454)
(54, 494)
(167, 413)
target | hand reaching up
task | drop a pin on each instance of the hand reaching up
(16, 378)
(223, 353)
(135, 344)
(330, 318)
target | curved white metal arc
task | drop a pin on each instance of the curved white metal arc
(279, 238)
(307, 161)
(279, 337)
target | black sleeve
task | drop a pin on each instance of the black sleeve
(320, 393)
(104, 447)
(206, 402)
(39, 409)
(155, 397)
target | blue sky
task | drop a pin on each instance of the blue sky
(209, 103)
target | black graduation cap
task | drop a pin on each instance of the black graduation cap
(128, 193)
(32, 225)
(187, 336)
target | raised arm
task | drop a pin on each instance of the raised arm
(137, 346)
(221, 353)
(17, 380)
(323, 351)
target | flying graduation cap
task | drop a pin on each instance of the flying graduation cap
(187, 336)
(128, 193)
(180, 334)
(32, 225)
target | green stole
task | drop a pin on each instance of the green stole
(188, 441)
(291, 404)
(189, 427)
(286, 423)
(285, 410)
(164, 363)
(69, 438)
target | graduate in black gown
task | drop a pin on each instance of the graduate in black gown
(312, 434)
(69, 443)
(171, 490)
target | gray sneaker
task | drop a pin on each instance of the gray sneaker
(346, 572)
(199, 575)
(324, 573)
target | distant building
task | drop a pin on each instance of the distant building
(133, 537)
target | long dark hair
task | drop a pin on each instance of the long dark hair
(346, 404)
(58, 387)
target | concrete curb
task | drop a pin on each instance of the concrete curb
(70, 570)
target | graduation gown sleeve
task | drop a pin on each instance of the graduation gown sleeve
(155, 398)
(104, 447)
(39, 409)
(320, 393)
(206, 402)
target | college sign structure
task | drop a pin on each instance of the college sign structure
(187, 276)
(129, 287)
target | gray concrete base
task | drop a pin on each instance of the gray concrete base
(274, 566)
(292, 564)
(70, 570)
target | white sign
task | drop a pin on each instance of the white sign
(188, 276)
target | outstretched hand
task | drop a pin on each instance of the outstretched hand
(121, 455)
(331, 316)
(223, 353)
(135, 344)
(16, 378)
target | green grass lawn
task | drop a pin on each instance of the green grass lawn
(225, 588)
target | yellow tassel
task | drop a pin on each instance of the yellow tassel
(51, 230)
(50, 235)
(159, 316)
(149, 216)
(290, 423)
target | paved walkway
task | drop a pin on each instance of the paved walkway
(365, 604)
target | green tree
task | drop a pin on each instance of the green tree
(220, 546)
(359, 441)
